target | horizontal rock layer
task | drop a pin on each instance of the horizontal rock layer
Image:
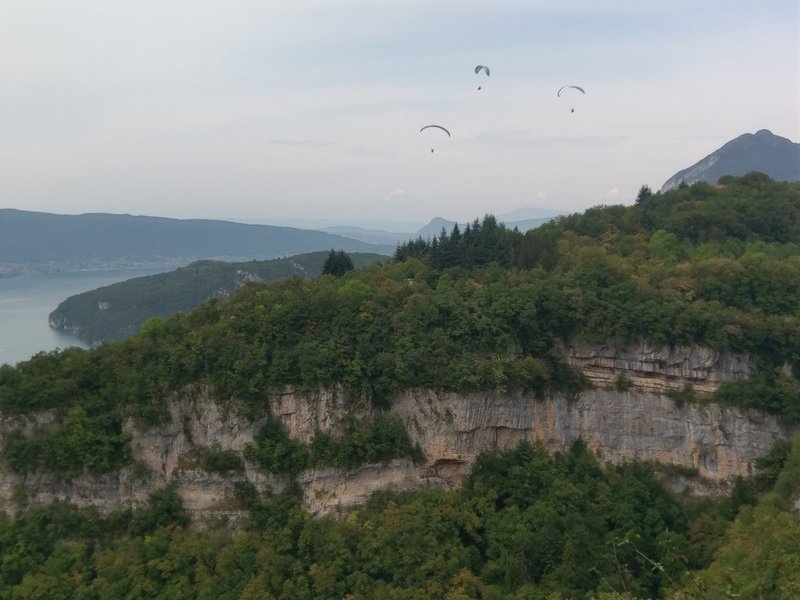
(654, 368)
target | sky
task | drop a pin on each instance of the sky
(289, 110)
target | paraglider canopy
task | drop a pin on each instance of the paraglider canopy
(435, 127)
(483, 68)
(574, 87)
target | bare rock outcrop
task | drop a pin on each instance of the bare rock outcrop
(656, 368)
(718, 443)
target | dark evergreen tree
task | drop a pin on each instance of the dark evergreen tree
(644, 194)
(337, 264)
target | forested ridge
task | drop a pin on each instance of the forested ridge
(471, 310)
(116, 311)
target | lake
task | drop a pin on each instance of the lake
(27, 300)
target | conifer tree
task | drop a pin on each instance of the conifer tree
(337, 264)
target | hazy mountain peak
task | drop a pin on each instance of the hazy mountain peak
(761, 151)
(434, 227)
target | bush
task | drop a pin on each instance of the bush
(380, 440)
(622, 383)
(275, 452)
(165, 508)
(216, 460)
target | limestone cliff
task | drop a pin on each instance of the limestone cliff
(452, 430)
(656, 368)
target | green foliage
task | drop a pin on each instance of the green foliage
(53, 552)
(337, 264)
(682, 396)
(165, 509)
(787, 482)
(378, 440)
(82, 443)
(772, 465)
(622, 383)
(759, 558)
(771, 390)
(482, 242)
(224, 462)
(645, 193)
(275, 452)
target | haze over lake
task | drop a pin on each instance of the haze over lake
(27, 300)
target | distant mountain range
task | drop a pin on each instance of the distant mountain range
(370, 236)
(402, 230)
(44, 241)
(34, 240)
(762, 151)
(522, 218)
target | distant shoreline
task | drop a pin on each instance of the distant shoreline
(11, 270)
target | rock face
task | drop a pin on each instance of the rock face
(718, 443)
(657, 369)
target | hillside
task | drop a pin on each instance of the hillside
(494, 413)
(116, 311)
(762, 151)
(34, 240)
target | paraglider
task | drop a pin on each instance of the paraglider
(435, 127)
(483, 68)
(574, 87)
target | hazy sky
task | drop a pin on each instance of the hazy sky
(285, 109)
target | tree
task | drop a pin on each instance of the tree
(645, 193)
(337, 264)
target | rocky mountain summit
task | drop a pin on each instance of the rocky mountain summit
(762, 151)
